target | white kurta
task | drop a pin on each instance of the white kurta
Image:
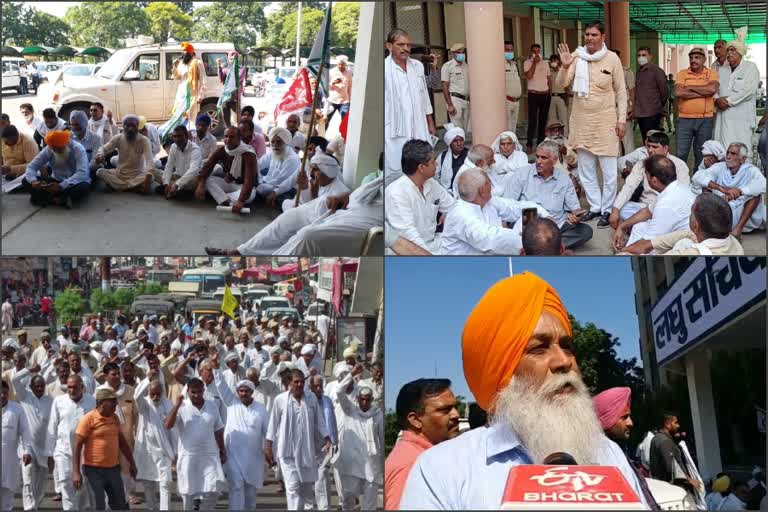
(671, 212)
(412, 213)
(737, 123)
(15, 433)
(278, 174)
(748, 179)
(37, 411)
(244, 438)
(471, 230)
(198, 466)
(280, 230)
(61, 431)
(406, 106)
(155, 446)
(505, 164)
(297, 431)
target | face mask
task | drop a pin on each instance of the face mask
(509, 55)
(460, 57)
(642, 61)
(553, 65)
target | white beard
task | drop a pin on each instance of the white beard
(547, 423)
(61, 158)
(281, 155)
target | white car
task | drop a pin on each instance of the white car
(139, 80)
(11, 79)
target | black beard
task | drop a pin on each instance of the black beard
(131, 136)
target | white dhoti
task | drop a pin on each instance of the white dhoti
(340, 234)
(598, 201)
(33, 489)
(122, 179)
(299, 484)
(207, 500)
(242, 495)
(641, 231)
(279, 231)
(353, 487)
(156, 477)
(199, 474)
(393, 153)
(264, 189)
(72, 499)
(151, 491)
(462, 116)
(222, 191)
(756, 220)
(322, 485)
(630, 209)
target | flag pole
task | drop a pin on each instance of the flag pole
(311, 127)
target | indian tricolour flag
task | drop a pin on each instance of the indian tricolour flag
(180, 107)
(231, 84)
(320, 51)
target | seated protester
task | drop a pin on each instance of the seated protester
(260, 125)
(474, 225)
(101, 124)
(741, 184)
(451, 160)
(551, 188)
(414, 199)
(345, 230)
(298, 139)
(670, 212)
(624, 207)
(709, 232)
(134, 159)
(508, 153)
(183, 166)
(202, 138)
(304, 192)
(479, 156)
(253, 139)
(712, 152)
(542, 237)
(277, 167)
(248, 113)
(238, 161)
(59, 174)
(628, 161)
(336, 147)
(78, 125)
(18, 150)
(5, 120)
(50, 123)
(568, 161)
(326, 182)
(31, 122)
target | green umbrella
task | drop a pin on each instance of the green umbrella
(64, 51)
(9, 51)
(95, 51)
(35, 50)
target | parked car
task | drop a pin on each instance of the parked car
(11, 79)
(273, 302)
(198, 308)
(292, 313)
(155, 306)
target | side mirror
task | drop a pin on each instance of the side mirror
(131, 75)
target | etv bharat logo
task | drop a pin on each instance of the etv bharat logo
(561, 476)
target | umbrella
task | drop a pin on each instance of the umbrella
(35, 50)
(64, 51)
(95, 51)
(10, 51)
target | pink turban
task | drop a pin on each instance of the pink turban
(610, 404)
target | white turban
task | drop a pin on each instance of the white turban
(364, 391)
(282, 133)
(350, 352)
(281, 339)
(451, 132)
(269, 336)
(739, 43)
(109, 345)
(283, 366)
(176, 345)
(275, 350)
(309, 348)
(326, 163)
(246, 383)
(342, 58)
(505, 135)
(296, 345)
(231, 357)
(257, 338)
(10, 343)
(714, 148)
(341, 369)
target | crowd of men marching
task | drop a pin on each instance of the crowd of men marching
(582, 108)
(112, 409)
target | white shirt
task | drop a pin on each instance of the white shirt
(412, 213)
(65, 414)
(153, 134)
(361, 439)
(472, 230)
(299, 141)
(36, 411)
(196, 428)
(155, 446)
(505, 164)
(671, 212)
(15, 432)
(207, 145)
(244, 439)
(731, 502)
(184, 164)
(279, 171)
(339, 93)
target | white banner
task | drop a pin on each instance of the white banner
(710, 292)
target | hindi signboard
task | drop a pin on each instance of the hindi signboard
(710, 292)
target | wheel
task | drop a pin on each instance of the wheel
(217, 127)
(67, 110)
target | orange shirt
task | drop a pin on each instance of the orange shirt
(696, 108)
(102, 439)
(398, 466)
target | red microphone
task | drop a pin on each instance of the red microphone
(560, 483)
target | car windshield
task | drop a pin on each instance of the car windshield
(77, 70)
(115, 64)
(286, 73)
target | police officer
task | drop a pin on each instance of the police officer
(455, 78)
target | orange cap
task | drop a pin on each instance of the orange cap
(498, 329)
(57, 138)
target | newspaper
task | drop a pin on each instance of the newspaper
(693, 473)
(8, 186)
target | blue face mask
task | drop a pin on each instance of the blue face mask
(509, 55)
(460, 57)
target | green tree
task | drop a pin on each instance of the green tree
(461, 405)
(149, 288)
(106, 23)
(239, 23)
(123, 298)
(311, 19)
(185, 6)
(102, 301)
(281, 31)
(15, 18)
(391, 430)
(47, 30)
(344, 22)
(69, 306)
(166, 20)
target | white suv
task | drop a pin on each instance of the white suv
(139, 80)
(11, 78)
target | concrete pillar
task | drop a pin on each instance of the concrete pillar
(366, 110)
(674, 65)
(617, 28)
(703, 413)
(536, 25)
(485, 48)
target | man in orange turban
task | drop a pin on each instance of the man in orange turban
(520, 365)
(59, 173)
(189, 70)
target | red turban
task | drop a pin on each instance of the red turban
(57, 138)
(499, 328)
(187, 47)
(610, 404)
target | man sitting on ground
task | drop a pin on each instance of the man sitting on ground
(741, 184)
(670, 212)
(453, 158)
(78, 125)
(709, 233)
(18, 151)
(551, 188)
(277, 167)
(50, 123)
(134, 159)
(508, 153)
(59, 174)
(298, 139)
(183, 166)
(479, 156)
(541, 237)
(249, 135)
(202, 137)
(151, 132)
(305, 193)
(238, 161)
(100, 124)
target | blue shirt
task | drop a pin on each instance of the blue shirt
(72, 172)
(556, 194)
(470, 471)
(120, 329)
(330, 419)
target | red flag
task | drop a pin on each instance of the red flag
(343, 127)
(297, 97)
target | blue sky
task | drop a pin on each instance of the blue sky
(427, 301)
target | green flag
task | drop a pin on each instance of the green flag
(320, 51)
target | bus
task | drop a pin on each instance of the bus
(210, 279)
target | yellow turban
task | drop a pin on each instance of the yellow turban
(142, 122)
(57, 138)
(187, 47)
(740, 42)
(498, 329)
(722, 484)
